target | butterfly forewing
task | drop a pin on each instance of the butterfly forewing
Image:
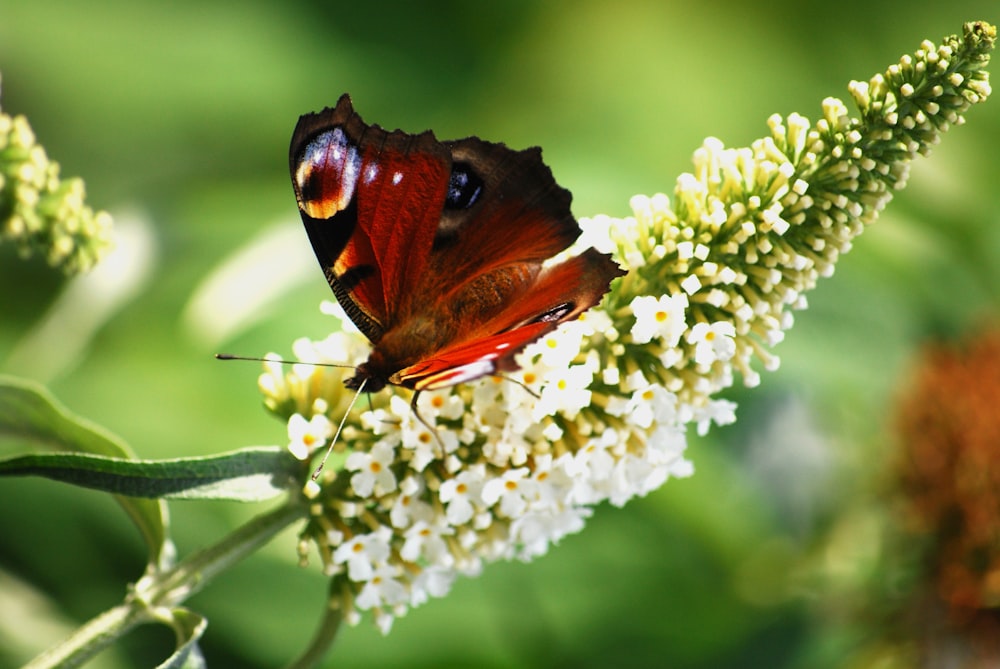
(370, 201)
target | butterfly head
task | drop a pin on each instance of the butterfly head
(364, 375)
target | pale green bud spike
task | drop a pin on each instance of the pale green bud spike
(39, 212)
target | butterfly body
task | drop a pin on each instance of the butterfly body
(437, 250)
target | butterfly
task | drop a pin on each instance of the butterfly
(438, 250)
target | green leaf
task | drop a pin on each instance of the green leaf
(246, 475)
(189, 627)
(30, 416)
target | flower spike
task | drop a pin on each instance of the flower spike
(602, 406)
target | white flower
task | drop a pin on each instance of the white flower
(511, 490)
(331, 308)
(305, 436)
(374, 473)
(661, 317)
(403, 426)
(634, 475)
(650, 404)
(595, 321)
(712, 342)
(425, 541)
(460, 494)
(339, 348)
(408, 507)
(566, 392)
(720, 412)
(431, 582)
(666, 443)
(363, 552)
(592, 466)
(444, 403)
(596, 233)
(558, 348)
(384, 620)
(382, 589)
(514, 445)
(537, 530)
(552, 481)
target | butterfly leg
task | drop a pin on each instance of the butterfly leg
(504, 377)
(423, 421)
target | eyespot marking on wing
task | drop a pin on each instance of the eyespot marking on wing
(326, 174)
(464, 187)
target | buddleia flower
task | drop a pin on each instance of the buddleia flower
(601, 408)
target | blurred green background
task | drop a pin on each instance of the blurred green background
(179, 115)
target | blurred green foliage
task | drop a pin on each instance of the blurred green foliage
(179, 114)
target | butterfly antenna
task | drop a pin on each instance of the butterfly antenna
(357, 393)
(230, 356)
(430, 428)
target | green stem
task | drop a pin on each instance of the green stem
(191, 574)
(95, 635)
(325, 634)
(167, 589)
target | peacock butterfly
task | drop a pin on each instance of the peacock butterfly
(437, 250)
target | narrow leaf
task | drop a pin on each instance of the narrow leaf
(246, 475)
(189, 627)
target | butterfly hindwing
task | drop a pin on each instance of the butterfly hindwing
(561, 293)
(517, 214)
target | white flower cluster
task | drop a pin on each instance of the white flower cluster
(506, 467)
(599, 409)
